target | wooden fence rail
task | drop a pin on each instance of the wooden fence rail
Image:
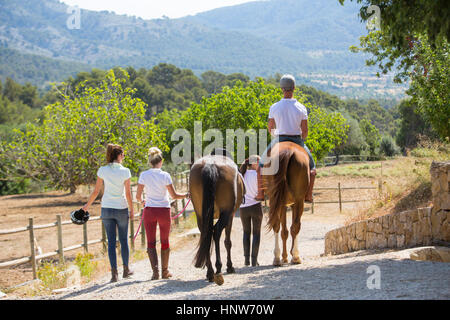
(340, 189)
(181, 179)
(59, 252)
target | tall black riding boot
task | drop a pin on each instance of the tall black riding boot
(247, 248)
(255, 249)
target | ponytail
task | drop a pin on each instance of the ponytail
(244, 167)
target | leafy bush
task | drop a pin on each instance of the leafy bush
(85, 264)
(69, 146)
(52, 276)
(388, 146)
(247, 108)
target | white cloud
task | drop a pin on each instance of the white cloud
(150, 9)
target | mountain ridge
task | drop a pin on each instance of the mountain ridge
(106, 40)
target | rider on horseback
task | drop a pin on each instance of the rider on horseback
(288, 121)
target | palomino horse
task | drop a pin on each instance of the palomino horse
(287, 187)
(216, 191)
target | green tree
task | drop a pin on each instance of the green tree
(16, 112)
(400, 22)
(355, 142)
(11, 90)
(371, 135)
(430, 85)
(29, 95)
(213, 81)
(412, 125)
(163, 74)
(327, 130)
(247, 107)
(69, 146)
(388, 146)
(414, 38)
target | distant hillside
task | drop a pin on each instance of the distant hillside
(320, 26)
(107, 40)
(38, 70)
(309, 39)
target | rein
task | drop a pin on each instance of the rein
(142, 218)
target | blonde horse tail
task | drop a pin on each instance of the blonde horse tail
(278, 189)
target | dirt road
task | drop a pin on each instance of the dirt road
(334, 277)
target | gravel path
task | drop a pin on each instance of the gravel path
(333, 277)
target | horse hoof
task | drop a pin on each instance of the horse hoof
(296, 260)
(231, 270)
(285, 260)
(277, 262)
(218, 279)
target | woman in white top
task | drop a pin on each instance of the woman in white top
(251, 211)
(158, 186)
(116, 205)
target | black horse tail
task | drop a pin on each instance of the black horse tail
(210, 175)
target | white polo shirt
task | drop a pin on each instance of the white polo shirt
(251, 188)
(155, 183)
(288, 115)
(114, 176)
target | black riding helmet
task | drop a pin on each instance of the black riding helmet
(79, 216)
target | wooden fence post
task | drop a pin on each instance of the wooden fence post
(33, 252)
(340, 198)
(177, 221)
(105, 248)
(85, 237)
(183, 202)
(60, 241)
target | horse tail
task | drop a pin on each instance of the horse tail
(210, 175)
(278, 189)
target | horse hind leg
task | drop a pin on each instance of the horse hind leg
(277, 251)
(284, 235)
(297, 211)
(228, 245)
(210, 270)
(218, 228)
(277, 261)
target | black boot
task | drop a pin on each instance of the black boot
(127, 272)
(255, 250)
(247, 248)
(114, 275)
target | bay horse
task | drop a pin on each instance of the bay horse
(216, 190)
(286, 187)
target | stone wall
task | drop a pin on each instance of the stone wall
(440, 185)
(423, 226)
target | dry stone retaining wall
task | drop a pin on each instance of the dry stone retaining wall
(423, 226)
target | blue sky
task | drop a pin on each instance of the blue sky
(150, 9)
